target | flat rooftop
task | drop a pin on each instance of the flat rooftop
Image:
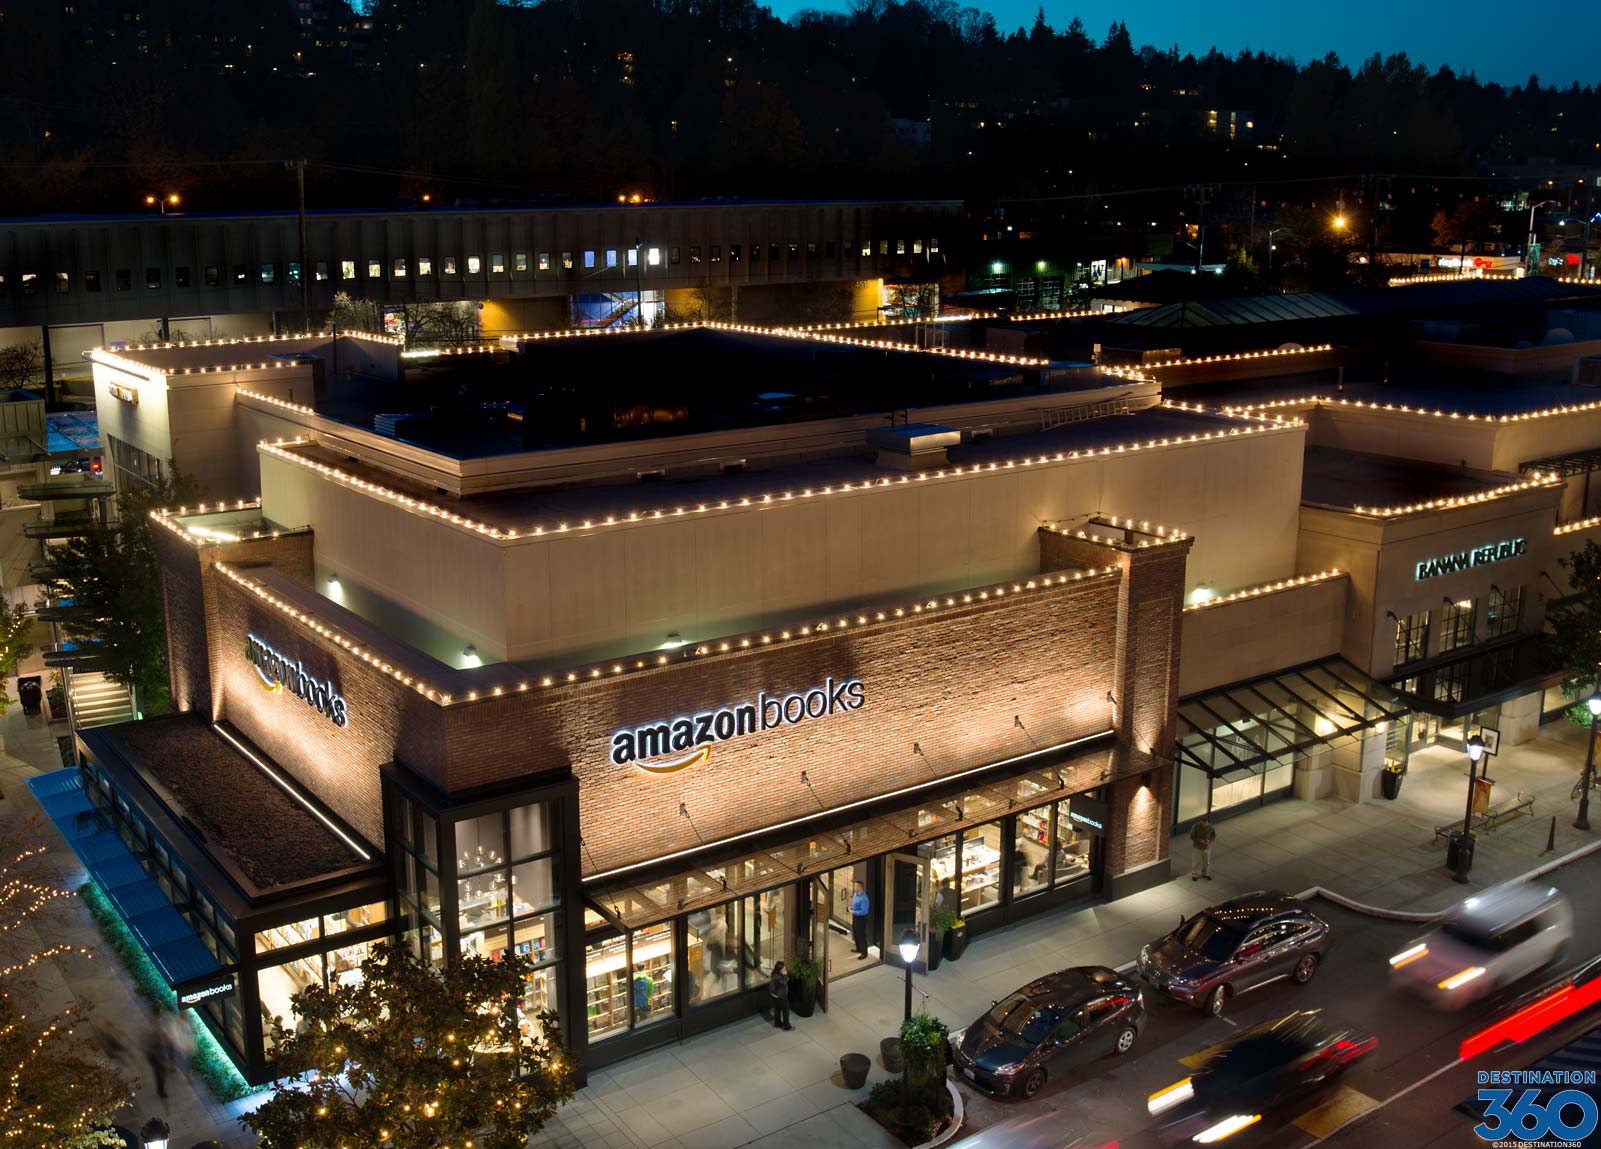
(1447, 391)
(271, 837)
(548, 507)
(1331, 477)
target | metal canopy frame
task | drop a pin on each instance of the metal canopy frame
(1234, 730)
(1574, 463)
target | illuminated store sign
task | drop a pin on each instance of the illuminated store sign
(191, 994)
(1462, 560)
(674, 743)
(279, 672)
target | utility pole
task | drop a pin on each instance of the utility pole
(305, 271)
(1200, 192)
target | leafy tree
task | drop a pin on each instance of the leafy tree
(20, 365)
(351, 314)
(112, 575)
(1240, 273)
(56, 1089)
(14, 623)
(416, 1058)
(1574, 644)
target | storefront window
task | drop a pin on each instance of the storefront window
(652, 982)
(355, 918)
(981, 868)
(536, 937)
(278, 985)
(481, 899)
(481, 842)
(606, 976)
(532, 886)
(286, 935)
(1031, 861)
(1456, 625)
(713, 954)
(530, 831)
(539, 996)
(765, 932)
(491, 943)
(344, 963)
(1411, 638)
(1504, 612)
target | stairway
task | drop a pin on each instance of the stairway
(98, 701)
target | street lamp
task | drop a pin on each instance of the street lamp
(639, 278)
(1464, 845)
(1339, 223)
(1528, 251)
(155, 1134)
(908, 946)
(162, 201)
(1271, 232)
(1582, 822)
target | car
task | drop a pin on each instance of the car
(1485, 942)
(1259, 1070)
(1050, 1026)
(1233, 948)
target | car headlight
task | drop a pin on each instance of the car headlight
(1145, 955)
(1409, 955)
(1164, 1099)
(1008, 1070)
(955, 1037)
(1462, 978)
(1227, 1127)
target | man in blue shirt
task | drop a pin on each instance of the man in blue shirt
(860, 909)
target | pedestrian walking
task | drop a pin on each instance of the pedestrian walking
(161, 1055)
(861, 908)
(1202, 835)
(778, 987)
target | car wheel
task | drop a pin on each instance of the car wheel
(1305, 968)
(1125, 1039)
(1033, 1083)
(1215, 1000)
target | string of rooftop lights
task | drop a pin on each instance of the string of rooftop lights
(1163, 534)
(1406, 409)
(1444, 277)
(199, 536)
(282, 450)
(1536, 479)
(734, 643)
(1240, 356)
(1266, 588)
(1577, 525)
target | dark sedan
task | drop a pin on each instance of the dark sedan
(1256, 1072)
(1051, 1025)
(1236, 947)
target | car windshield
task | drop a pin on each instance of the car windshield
(1470, 935)
(1206, 935)
(1021, 1018)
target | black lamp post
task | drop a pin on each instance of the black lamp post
(1464, 846)
(1582, 822)
(155, 1134)
(909, 947)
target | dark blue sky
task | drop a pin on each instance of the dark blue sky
(1495, 40)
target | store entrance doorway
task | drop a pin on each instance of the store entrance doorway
(838, 935)
(908, 905)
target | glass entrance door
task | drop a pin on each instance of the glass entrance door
(839, 936)
(908, 904)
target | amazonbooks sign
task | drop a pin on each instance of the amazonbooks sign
(279, 672)
(674, 743)
(1478, 556)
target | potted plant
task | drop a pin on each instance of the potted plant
(956, 939)
(1390, 780)
(804, 977)
(939, 924)
(925, 1044)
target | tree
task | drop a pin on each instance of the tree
(20, 365)
(416, 1058)
(56, 1089)
(351, 314)
(1574, 644)
(1240, 273)
(112, 576)
(14, 623)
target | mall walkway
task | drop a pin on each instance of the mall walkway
(747, 1084)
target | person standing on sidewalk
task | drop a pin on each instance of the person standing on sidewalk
(861, 907)
(778, 987)
(1202, 835)
(161, 1054)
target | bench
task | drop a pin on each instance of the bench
(1493, 818)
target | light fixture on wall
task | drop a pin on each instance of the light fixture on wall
(674, 641)
(469, 656)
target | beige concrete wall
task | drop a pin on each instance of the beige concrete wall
(1509, 360)
(1232, 641)
(1406, 435)
(607, 591)
(1382, 558)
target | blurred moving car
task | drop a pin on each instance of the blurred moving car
(1485, 942)
(1050, 1026)
(1256, 1072)
(1236, 947)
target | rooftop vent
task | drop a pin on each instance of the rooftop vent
(913, 446)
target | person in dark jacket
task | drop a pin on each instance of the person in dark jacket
(1202, 835)
(778, 987)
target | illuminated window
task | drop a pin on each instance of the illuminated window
(474, 265)
(567, 260)
(917, 247)
(320, 274)
(294, 275)
(1504, 613)
(717, 253)
(425, 265)
(400, 269)
(694, 254)
(241, 273)
(375, 269)
(1456, 625)
(589, 258)
(1411, 638)
(611, 257)
(63, 282)
(269, 273)
(633, 257)
(450, 265)
(900, 247)
(519, 261)
(933, 245)
(497, 263)
(883, 247)
(544, 261)
(867, 248)
(347, 269)
(653, 256)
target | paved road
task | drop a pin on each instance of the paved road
(1393, 1097)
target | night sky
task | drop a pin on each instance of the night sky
(1495, 40)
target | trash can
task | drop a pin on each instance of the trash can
(853, 1068)
(1453, 851)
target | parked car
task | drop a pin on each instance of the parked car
(1258, 1071)
(1236, 947)
(1050, 1026)
(1485, 942)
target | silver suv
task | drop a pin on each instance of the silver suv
(1488, 941)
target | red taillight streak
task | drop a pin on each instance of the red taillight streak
(1340, 1052)
(1533, 1018)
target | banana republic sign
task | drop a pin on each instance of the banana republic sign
(675, 743)
(1478, 556)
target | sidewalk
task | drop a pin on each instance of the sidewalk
(748, 1084)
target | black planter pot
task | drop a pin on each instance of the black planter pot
(955, 942)
(1390, 783)
(936, 951)
(803, 998)
(889, 1049)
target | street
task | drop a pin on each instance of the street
(1388, 1098)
